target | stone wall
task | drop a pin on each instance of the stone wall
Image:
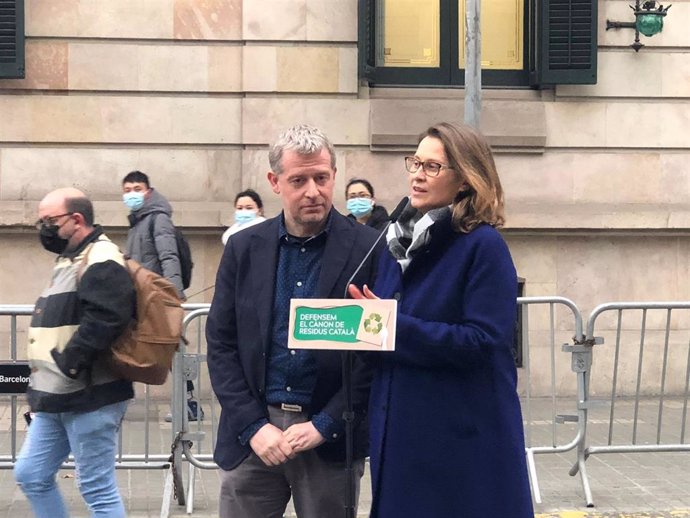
(191, 91)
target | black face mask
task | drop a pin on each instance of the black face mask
(50, 239)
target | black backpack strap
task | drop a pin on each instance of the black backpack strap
(152, 231)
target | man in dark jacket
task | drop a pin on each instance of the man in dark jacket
(151, 242)
(281, 430)
(78, 403)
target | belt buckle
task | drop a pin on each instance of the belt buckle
(290, 408)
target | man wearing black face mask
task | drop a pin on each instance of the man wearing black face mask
(78, 403)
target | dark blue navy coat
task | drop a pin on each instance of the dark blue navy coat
(446, 433)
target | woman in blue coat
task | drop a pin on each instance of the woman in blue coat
(445, 421)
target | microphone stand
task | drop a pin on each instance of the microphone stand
(348, 413)
(349, 418)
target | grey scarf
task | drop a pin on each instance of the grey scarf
(411, 232)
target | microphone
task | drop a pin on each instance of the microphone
(393, 218)
(348, 413)
(398, 210)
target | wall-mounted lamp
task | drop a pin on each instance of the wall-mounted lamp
(649, 20)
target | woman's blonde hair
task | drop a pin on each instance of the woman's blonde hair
(470, 156)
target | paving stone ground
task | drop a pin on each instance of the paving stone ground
(630, 485)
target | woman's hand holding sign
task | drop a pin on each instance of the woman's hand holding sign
(364, 293)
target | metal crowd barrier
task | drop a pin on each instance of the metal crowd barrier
(193, 441)
(547, 322)
(549, 334)
(7, 459)
(196, 440)
(154, 452)
(657, 424)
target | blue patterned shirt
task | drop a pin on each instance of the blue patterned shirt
(291, 373)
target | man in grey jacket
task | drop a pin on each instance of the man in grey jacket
(151, 242)
(151, 237)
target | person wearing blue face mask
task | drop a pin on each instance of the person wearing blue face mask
(152, 243)
(362, 206)
(249, 210)
(151, 237)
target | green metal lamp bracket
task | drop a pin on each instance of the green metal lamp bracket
(649, 20)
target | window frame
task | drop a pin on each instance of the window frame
(543, 59)
(15, 69)
(448, 74)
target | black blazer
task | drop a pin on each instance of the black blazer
(238, 333)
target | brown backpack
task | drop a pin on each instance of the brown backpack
(146, 349)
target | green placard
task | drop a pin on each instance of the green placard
(338, 324)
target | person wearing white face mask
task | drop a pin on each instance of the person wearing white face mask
(249, 210)
(362, 206)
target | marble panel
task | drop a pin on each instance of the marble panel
(537, 178)
(46, 67)
(208, 19)
(535, 260)
(98, 19)
(615, 70)
(194, 175)
(102, 66)
(308, 69)
(178, 68)
(630, 178)
(274, 20)
(348, 70)
(385, 171)
(255, 168)
(120, 119)
(345, 121)
(332, 20)
(656, 74)
(142, 67)
(397, 121)
(575, 124)
(676, 165)
(27, 266)
(259, 69)
(593, 270)
(224, 68)
(648, 125)
(675, 73)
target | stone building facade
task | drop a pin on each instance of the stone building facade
(597, 178)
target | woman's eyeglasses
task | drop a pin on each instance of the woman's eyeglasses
(429, 167)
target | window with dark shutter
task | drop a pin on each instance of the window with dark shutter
(567, 42)
(12, 38)
(524, 42)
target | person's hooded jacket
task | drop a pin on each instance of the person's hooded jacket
(378, 218)
(151, 239)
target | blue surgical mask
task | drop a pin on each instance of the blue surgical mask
(133, 200)
(243, 216)
(359, 207)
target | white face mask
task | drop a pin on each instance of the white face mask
(243, 216)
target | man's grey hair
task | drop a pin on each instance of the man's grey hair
(304, 140)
